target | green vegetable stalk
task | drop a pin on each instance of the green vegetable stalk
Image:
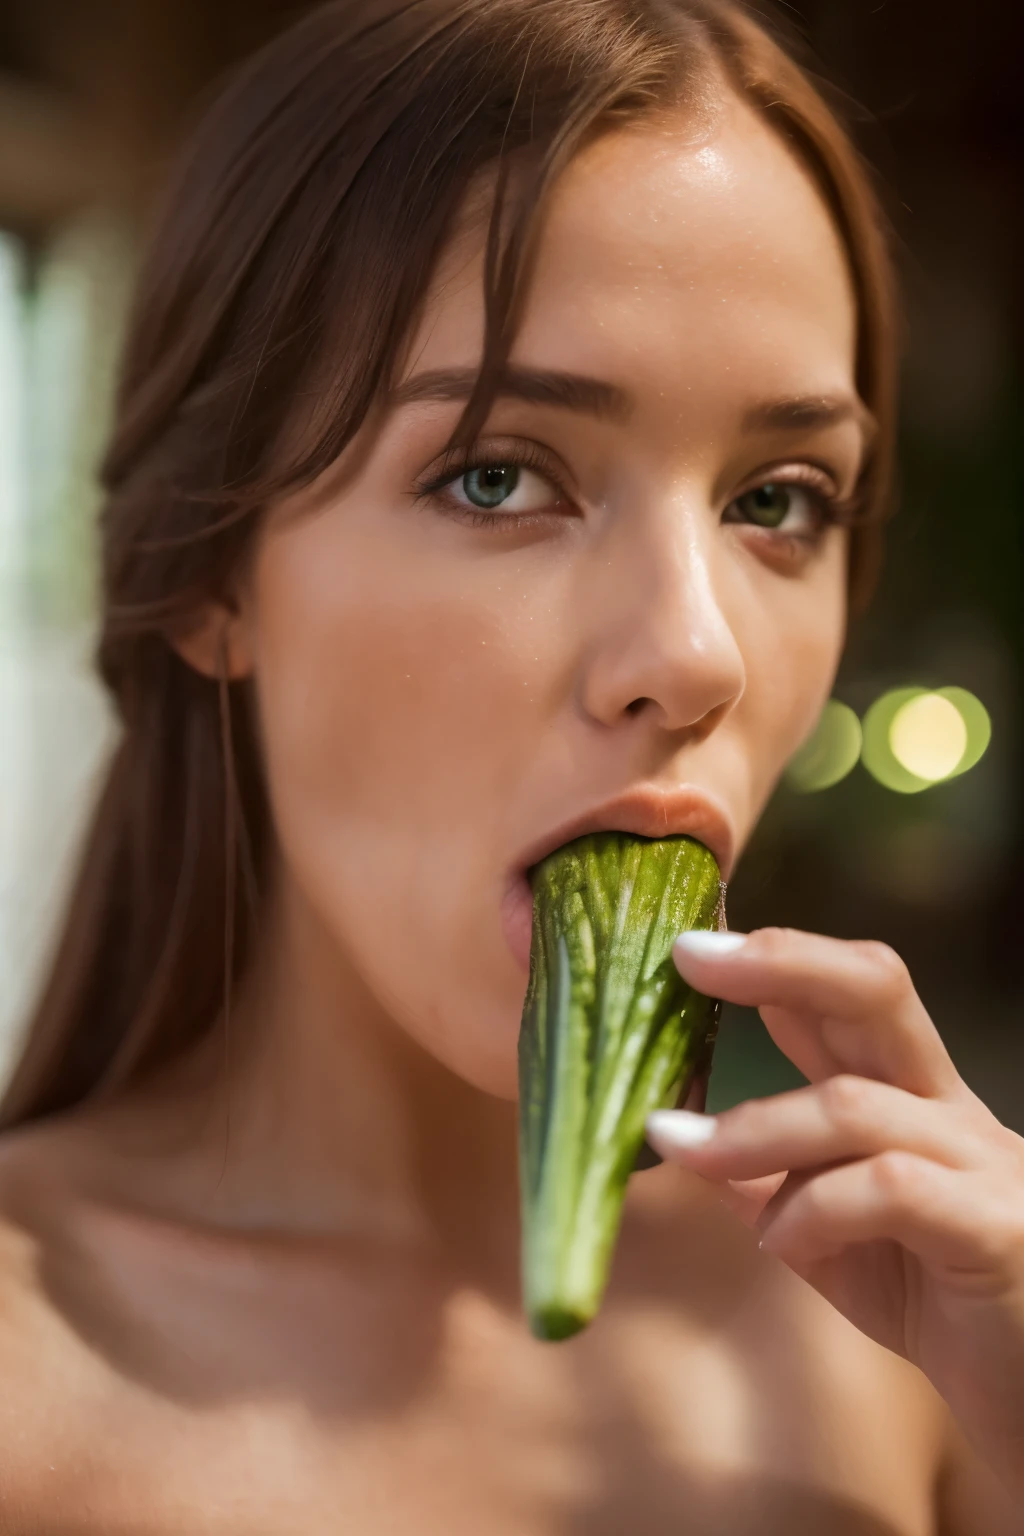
(610, 1032)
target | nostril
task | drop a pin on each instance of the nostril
(637, 705)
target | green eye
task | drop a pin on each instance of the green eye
(768, 506)
(504, 493)
(490, 485)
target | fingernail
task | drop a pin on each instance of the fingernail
(676, 1130)
(709, 946)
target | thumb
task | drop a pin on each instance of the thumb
(672, 1133)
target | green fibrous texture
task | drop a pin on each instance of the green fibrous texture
(610, 1032)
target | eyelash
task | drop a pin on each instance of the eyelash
(457, 462)
(835, 510)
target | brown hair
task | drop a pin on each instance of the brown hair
(286, 273)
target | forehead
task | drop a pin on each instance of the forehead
(669, 257)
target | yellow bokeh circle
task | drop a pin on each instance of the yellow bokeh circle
(928, 737)
(916, 737)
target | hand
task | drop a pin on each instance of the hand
(886, 1184)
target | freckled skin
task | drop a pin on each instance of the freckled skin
(281, 1294)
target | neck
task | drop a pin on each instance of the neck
(318, 1115)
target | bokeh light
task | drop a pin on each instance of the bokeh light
(928, 736)
(916, 737)
(979, 727)
(830, 754)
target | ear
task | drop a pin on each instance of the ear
(216, 643)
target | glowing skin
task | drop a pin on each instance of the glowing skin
(277, 1289)
(437, 697)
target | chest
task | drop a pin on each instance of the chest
(650, 1424)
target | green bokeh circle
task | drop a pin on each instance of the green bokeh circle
(830, 754)
(979, 727)
(876, 753)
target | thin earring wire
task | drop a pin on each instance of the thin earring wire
(227, 746)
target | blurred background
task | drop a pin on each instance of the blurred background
(903, 819)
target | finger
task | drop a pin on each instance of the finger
(677, 1134)
(747, 1198)
(953, 1221)
(842, 1118)
(832, 1005)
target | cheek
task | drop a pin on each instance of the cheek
(396, 703)
(383, 682)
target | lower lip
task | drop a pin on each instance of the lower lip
(517, 918)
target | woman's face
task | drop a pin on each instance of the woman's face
(624, 609)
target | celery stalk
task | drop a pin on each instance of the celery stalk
(610, 1032)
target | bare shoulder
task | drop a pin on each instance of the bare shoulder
(756, 1346)
(48, 1372)
(36, 1202)
(685, 1249)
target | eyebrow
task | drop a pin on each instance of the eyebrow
(596, 397)
(570, 391)
(806, 413)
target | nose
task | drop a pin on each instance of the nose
(664, 645)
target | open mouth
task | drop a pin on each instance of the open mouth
(646, 811)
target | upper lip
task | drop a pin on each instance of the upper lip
(649, 810)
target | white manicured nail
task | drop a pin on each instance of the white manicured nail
(676, 1130)
(709, 946)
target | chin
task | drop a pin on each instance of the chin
(488, 1061)
(498, 1082)
(496, 1076)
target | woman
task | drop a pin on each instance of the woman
(506, 418)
